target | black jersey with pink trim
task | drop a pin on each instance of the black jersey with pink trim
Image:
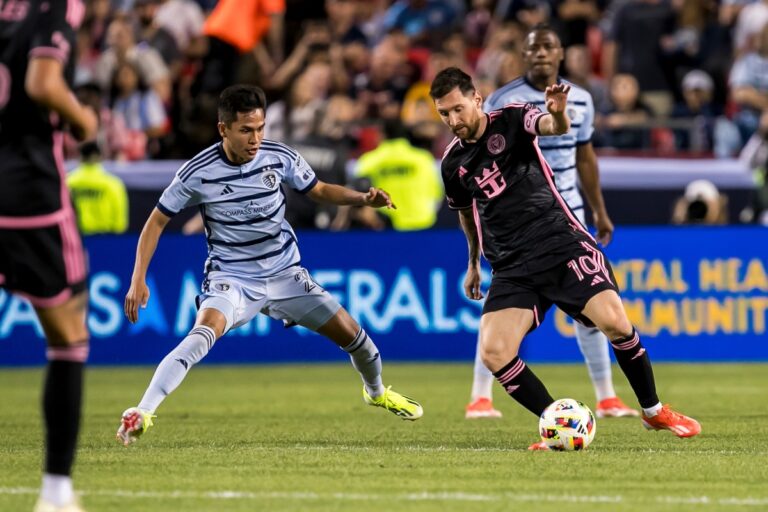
(30, 29)
(523, 223)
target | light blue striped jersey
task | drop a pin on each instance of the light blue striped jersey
(243, 206)
(559, 151)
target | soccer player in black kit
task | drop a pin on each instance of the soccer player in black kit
(509, 208)
(41, 256)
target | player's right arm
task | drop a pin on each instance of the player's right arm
(138, 293)
(45, 85)
(472, 281)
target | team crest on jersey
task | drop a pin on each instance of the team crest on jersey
(496, 143)
(269, 179)
(222, 287)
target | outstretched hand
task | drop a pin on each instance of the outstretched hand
(556, 97)
(377, 198)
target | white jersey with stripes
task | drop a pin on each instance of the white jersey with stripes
(243, 207)
(559, 151)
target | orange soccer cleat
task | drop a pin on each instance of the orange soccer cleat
(667, 419)
(614, 408)
(539, 446)
(481, 408)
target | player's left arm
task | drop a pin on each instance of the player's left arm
(324, 192)
(556, 122)
(589, 177)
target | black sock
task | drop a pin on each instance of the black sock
(636, 365)
(524, 386)
(61, 409)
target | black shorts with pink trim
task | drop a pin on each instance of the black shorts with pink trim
(569, 285)
(41, 254)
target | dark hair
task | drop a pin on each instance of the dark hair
(240, 98)
(449, 79)
(543, 27)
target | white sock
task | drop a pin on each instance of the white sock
(174, 367)
(650, 412)
(482, 378)
(57, 489)
(594, 347)
(366, 360)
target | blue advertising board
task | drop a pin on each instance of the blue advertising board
(695, 294)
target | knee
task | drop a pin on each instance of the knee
(616, 324)
(495, 354)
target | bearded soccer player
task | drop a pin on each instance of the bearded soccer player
(253, 260)
(541, 255)
(41, 256)
(569, 155)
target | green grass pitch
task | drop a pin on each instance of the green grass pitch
(299, 437)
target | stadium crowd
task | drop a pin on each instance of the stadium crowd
(679, 77)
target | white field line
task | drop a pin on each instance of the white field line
(480, 449)
(420, 496)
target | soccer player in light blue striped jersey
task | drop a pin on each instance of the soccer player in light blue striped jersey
(567, 155)
(253, 262)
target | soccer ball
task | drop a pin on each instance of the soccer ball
(567, 425)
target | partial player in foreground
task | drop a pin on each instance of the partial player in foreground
(41, 256)
(253, 260)
(567, 154)
(540, 253)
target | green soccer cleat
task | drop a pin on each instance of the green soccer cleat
(133, 424)
(405, 407)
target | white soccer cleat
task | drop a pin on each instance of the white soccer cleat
(46, 506)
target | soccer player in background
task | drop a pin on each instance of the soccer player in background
(253, 260)
(41, 256)
(510, 209)
(566, 154)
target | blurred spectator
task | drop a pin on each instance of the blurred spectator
(343, 23)
(477, 22)
(640, 38)
(234, 28)
(578, 69)
(148, 62)
(327, 150)
(115, 141)
(502, 39)
(381, 90)
(419, 114)
(184, 20)
(408, 174)
(425, 22)
(528, 13)
(755, 157)
(100, 198)
(574, 17)
(701, 203)
(620, 124)
(295, 117)
(157, 36)
(749, 87)
(372, 14)
(749, 25)
(313, 46)
(139, 106)
(697, 106)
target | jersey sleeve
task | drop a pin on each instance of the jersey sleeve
(458, 197)
(587, 128)
(176, 197)
(299, 175)
(48, 39)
